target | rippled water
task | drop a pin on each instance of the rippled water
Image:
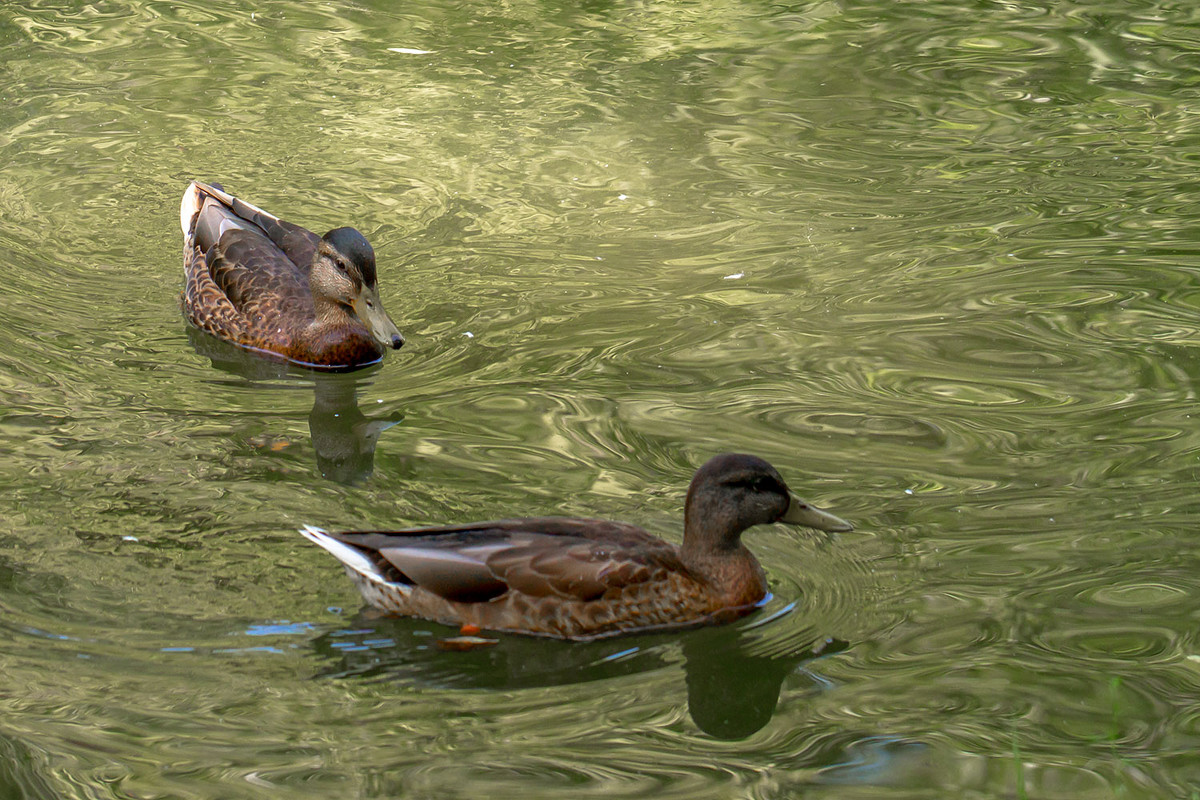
(936, 261)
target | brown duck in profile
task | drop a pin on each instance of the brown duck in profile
(583, 578)
(268, 285)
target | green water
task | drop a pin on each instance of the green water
(938, 262)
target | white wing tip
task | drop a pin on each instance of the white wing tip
(351, 557)
(313, 533)
(193, 201)
(190, 207)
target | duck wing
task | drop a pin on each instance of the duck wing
(218, 211)
(257, 276)
(572, 559)
(246, 258)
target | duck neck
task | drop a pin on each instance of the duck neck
(711, 532)
(713, 551)
(327, 313)
(330, 333)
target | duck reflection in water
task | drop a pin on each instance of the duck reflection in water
(343, 437)
(733, 676)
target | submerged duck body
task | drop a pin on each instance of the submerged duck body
(583, 579)
(267, 285)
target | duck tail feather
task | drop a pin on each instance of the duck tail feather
(198, 190)
(247, 211)
(193, 199)
(351, 557)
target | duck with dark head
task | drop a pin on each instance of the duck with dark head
(267, 285)
(583, 579)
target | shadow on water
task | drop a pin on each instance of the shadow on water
(732, 686)
(343, 437)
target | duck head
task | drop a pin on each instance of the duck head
(343, 274)
(733, 492)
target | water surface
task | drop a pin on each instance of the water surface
(935, 261)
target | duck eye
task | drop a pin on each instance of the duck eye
(762, 484)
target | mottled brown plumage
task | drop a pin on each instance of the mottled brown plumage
(267, 285)
(583, 578)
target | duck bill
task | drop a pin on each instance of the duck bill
(801, 512)
(369, 308)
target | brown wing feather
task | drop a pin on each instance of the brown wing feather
(243, 279)
(205, 303)
(573, 559)
(250, 268)
(298, 244)
(459, 578)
